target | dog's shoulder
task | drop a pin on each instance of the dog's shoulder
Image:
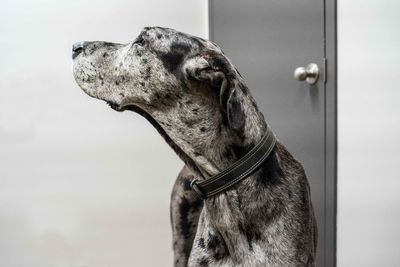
(290, 166)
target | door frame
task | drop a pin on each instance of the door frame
(330, 160)
(330, 15)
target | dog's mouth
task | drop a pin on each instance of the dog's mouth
(115, 107)
(121, 108)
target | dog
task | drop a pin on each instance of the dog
(198, 101)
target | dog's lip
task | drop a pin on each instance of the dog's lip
(115, 106)
(120, 107)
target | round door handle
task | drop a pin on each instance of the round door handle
(310, 73)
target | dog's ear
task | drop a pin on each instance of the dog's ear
(217, 72)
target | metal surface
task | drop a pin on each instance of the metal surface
(266, 40)
(310, 74)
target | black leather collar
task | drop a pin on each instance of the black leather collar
(238, 171)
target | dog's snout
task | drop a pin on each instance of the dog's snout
(77, 48)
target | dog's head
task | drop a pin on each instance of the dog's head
(184, 85)
(161, 69)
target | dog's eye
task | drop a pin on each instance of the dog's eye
(139, 41)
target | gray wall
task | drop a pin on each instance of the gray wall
(80, 184)
(368, 133)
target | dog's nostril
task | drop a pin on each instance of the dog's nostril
(77, 48)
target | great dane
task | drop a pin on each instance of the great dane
(197, 100)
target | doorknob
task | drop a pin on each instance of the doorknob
(310, 73)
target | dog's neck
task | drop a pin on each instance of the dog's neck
(206, 142)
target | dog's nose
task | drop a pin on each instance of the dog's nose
(77, 48)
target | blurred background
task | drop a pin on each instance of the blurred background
(368, 231)
(78, 182)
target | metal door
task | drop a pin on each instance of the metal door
(267, 41)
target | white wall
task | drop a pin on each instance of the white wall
(369, 133)
(80, 184)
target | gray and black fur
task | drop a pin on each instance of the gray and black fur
(193, 95)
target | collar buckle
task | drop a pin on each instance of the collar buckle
(195, 187)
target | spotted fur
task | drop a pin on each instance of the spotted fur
(197, 100)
